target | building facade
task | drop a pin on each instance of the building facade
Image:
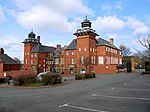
(35, 53)
(7, 64)
(83, 54)
(88, 54)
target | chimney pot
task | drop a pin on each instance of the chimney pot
(2, 51)
(58, 46)
(38, 39)
(111, 40)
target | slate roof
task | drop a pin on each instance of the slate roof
(42, 48)
(72, 45)
(99, 42)
(102, 42)
(7, 60)
(55, 54)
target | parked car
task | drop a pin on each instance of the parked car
(39, 75)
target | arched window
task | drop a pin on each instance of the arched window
(82, 59)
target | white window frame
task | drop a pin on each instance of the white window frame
(72, 60)
(82, 59)
(101, 60)
(80, 50)
(85, 49)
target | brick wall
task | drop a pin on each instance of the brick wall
(105, 69)
(14, 73)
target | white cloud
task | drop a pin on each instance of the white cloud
(106, 6)
(108, 23)
(2, 16)
(109, 7)
(119, 36)
(47, 14)
(12, 46)
(66, 6)
(136, 25)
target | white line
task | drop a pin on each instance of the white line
(81, 108)
(129, 98)
(131, 89)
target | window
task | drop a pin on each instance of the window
(35, 55)
(84, 48)
(31, 62)
(94, 60)
(79, 49)
(32, 55)
(93, 50)
(28, 53)
(107, 59)
(72, 60)
(120, 52)
(82, 59)
(120, 61)
(91, 59)
(106, 48)
(90, 49)
(73, 53)
(100, 60)
(67, 53)
(26, 60)
(63, 61)
(57, 61)
(25, 53)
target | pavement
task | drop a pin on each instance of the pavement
(106, 93)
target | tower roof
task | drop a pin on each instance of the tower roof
(31, 38)
(85, 29)
(86, 23)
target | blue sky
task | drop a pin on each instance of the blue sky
(56, 21)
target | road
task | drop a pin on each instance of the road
(106, 93)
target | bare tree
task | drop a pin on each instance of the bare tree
(145, 42)
(125, 50)
(17, 60)
(85, 61)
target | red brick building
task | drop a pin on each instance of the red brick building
(7, 64)
(88, 54)
(35, 53)
(84, 54)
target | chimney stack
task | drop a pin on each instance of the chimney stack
(2, 51)
(111, 40)
(38, 39)
(58, 46)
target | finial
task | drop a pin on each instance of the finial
(32, 30)
(86, 17)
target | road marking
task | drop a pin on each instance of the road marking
(119, 97)
(125, 83)
(131, 89)
(81, 108)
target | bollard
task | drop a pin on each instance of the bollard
(65, 79)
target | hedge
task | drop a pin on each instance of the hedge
(146, 72)
(84, 76)
(49, 79)
(24, 80)
(3, 80)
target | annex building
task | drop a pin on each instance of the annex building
(83, 54)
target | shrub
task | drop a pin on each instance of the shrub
(87, 75)
(93, 75)
(3, 80)
(146, 72)
(48, 79)
(84, 76)
(2, 109)
(24, 80)
(78, 76)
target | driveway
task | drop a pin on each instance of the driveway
(106, 93)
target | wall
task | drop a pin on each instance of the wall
(105, 69)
